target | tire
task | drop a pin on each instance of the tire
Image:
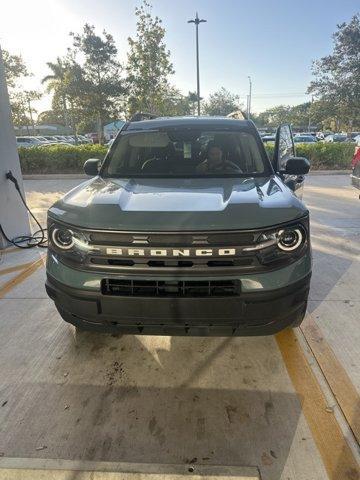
(300, 318)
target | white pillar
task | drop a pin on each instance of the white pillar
(13, 216)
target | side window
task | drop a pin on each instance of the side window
(284, 146)
(251, 160)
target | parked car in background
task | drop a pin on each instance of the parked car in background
(305, 139)
(85, 139)
(94, 137)
(268, 138)
(61, 138)
(357, 140)
(51, 138)
(28, 142)
(69, 139)
(82, 139)
(336, 137)
(41, 138)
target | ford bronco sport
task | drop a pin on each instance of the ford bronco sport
(186, 228)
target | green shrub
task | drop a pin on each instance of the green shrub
(66, 159)
(323, 156)
(58, 158)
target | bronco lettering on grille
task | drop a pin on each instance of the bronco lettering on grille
(171, 252)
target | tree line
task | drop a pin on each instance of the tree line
(90, 87)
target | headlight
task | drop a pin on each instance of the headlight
(290, 239)
(63, 238)
(286, 239)
(68, 240)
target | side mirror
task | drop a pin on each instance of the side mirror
(91, 167)
(297, 166)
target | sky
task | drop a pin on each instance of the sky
(274, 42)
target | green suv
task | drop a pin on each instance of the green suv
(186, 228)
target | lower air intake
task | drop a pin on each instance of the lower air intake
(161, 288)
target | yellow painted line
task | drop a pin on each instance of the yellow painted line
(335, 374)
(16, 268)
(21, 277)
(50, 469)
(80, 475)
(11, 249)
(338, 459)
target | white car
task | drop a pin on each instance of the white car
(28, 142)
(337, 137)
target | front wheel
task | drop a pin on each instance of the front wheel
(300, 317)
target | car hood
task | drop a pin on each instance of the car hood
(177, 204)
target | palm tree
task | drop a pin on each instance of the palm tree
(55, 82)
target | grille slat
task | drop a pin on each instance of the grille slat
(170, 288)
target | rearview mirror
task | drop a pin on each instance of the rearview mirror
(297, 166)
(91, 167)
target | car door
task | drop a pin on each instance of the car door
(285, 149)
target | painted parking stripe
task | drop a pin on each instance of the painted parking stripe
(48, 469)
(335, 452)
(21, 277)
(16, 268)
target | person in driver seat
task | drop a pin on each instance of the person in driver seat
(215, 162)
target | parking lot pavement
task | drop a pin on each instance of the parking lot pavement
(261, 402)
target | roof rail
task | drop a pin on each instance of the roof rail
(138, 116)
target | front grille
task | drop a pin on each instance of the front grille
(175, 239)
(170, 288)
(175, 264)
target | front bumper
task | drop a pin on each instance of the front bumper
(250, 313)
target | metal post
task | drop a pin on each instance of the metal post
(197, 21)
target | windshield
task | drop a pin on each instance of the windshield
(186, 152)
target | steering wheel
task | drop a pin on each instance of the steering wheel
(234, 166)
(149, 162)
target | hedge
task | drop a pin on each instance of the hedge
(323, 156)
(70, 159)
(58, 158)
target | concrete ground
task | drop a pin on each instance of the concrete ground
(284, 407)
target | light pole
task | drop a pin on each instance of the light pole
(249, 99)
(197, 20)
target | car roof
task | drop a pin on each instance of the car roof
(188, 122)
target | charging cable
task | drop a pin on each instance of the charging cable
(38, 238)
